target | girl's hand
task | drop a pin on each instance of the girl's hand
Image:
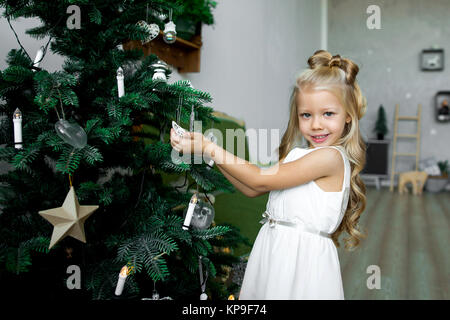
(190, 142)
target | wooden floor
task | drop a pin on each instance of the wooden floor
(408, 239)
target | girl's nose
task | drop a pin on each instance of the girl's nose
(316, 124)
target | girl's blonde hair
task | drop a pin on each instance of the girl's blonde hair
(337, 75)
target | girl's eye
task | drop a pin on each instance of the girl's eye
(328, 112)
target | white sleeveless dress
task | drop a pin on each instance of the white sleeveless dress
(293, 256)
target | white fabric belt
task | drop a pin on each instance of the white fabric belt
(267, 217)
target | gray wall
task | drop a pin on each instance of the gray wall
(389, 65)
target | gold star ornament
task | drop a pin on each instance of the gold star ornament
(69, 219)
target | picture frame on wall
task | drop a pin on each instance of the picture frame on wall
(442, 105)
(432, 60)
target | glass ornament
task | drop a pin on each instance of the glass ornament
(170, 33)
(203, 215)
(71, 133)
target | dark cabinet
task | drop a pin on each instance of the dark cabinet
(377, 152)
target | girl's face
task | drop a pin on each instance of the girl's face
(321, 117)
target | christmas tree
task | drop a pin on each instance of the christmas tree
(380, 126)
(120, 167)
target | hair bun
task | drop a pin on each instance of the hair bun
(351, 70)
(335, 61)
(322, 58)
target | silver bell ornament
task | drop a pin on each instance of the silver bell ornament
(71, 133)
(202, 216)
(160, 69)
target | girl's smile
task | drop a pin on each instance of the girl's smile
(320, 139)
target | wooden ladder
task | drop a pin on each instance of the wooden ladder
(397, 135)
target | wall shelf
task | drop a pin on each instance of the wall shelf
(182, 54)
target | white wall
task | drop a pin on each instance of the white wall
(249, 58)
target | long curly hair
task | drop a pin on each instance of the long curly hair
(338, 76)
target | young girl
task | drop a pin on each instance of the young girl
(315, 193)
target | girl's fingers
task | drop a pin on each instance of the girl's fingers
(178, 142)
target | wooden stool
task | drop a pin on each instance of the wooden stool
(417, 179)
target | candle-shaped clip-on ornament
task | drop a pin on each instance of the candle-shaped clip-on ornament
(17, 119)
(120, 84)
(190, 212)
(121, 281)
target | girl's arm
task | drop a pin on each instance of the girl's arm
(240, 186)
(316, 164)
(319, 163)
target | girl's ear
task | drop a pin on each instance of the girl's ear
(348, 120)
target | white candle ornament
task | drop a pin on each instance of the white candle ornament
(120, 85)
(189, 213)
(17, 119)
(121, 281)
(38, 57)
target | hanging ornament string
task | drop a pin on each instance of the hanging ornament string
(180, 102)
(192, 119)
(61, 105)
(152, 30)
(203, 296)
(207, 198)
